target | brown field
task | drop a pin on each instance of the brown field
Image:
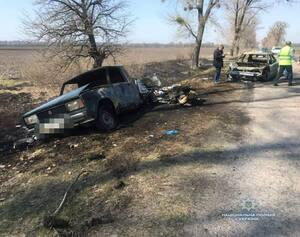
(19, 57)
(147, 55)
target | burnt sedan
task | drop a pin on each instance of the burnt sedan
(254, 66)
(95, 96)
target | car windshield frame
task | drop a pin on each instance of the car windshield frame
(245, 58)
(62, 89)
(88, 78)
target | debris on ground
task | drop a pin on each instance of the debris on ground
(152, 82)
(72, 146)
(24, 143)
(178, 94)
(119, 184)
(150, 89)
(171, 132)
(100, 156)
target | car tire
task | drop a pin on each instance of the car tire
(106, 119)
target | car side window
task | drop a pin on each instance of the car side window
(98, 79)
(116, 76)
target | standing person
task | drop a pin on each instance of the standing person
(285, 56)
(218, 62)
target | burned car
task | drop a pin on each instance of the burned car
(254, 66)
(96, 96)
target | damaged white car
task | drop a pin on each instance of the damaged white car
(254, 66)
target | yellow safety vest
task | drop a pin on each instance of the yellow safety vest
(286, 56)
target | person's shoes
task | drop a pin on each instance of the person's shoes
(275, 84)
(290, 84)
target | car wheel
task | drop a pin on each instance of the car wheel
(106, 120)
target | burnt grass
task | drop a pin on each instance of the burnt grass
(33, 181)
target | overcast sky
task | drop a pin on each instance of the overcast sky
(150, 21)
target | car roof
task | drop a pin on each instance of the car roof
(258, 52)
(82, 77)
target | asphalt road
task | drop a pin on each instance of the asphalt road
(257, 193)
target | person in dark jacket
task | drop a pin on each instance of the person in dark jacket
(218, 62)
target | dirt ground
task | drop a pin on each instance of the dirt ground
(234, 155)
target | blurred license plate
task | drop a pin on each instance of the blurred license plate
(247, 74)
(54, 125)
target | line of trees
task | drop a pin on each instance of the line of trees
(243, 18)
(93, 29)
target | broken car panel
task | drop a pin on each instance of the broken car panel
(254, 66)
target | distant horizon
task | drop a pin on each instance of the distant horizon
(32, 43)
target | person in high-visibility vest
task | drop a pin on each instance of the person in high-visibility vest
(286, 57)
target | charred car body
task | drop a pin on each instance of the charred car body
(96, 96)
(253, 66)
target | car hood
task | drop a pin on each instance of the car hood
(57, 101)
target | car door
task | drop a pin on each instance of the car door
(98, 88)
(123, 91)
(273, 65)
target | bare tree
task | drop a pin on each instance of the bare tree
(203, 10)
(80, 28)
(276, 34)
(248, 35)
(242, 16)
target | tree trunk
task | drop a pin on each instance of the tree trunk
(233, 45)
(95, 54)
(198, 45)
(237, 49)
(234, 51)
(196, 55)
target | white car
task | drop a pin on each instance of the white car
(276, 50)
(254, 66)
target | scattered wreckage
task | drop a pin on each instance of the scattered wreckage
(99, 96)
(174, 94)
(254, 66)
